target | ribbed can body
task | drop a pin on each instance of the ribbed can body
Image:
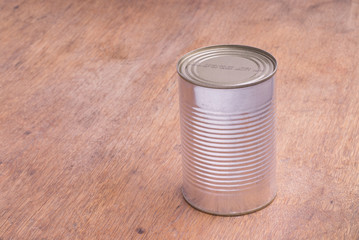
(228, 147)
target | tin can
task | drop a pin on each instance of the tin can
(227, 115)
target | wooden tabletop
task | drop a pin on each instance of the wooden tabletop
(89, 117)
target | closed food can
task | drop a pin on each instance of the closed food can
(227, 115)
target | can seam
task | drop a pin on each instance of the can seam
(228, 214)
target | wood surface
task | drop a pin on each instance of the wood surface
(89, 117)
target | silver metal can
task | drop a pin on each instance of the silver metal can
(227, 115)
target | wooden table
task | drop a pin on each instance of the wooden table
(89, 119)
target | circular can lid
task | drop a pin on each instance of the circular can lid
(227, 66)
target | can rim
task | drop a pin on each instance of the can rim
(239, 85)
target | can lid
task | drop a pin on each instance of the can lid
(227, 66)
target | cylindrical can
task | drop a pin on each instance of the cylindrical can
(227, 115)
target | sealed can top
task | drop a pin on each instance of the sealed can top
(227, 66)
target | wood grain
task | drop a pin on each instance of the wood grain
(89, 119)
